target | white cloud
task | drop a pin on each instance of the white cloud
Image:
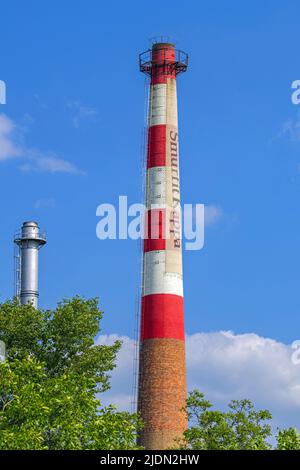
(226, 366)
(12, 147)
(9, 147)
(121, 393)
(39, 101)
(289, 129)
(45, 203)
(49, 163)
(246, 365)
(80, 112)
(212, 214)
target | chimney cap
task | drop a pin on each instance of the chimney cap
(30, 223)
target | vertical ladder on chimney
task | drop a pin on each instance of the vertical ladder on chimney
(17, 272)
(143, 166)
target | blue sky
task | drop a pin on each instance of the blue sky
(76, 98)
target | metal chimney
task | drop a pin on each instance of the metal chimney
(29, 241)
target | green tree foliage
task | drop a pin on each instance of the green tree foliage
(240, 428)
(50, 378)
(288, 439)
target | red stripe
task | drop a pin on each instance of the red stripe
(156, 155)
(163, 58)
(162, 316)
(163, 52)
(152, 245)
(160, 75)
(155, 230)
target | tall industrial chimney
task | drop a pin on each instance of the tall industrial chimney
(162, 373)
(29, 241)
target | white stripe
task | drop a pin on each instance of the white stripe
(156, 279)
(156, 187)
(172, 118)
(158, 105)
(159, 187)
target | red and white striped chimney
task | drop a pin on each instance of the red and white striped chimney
(162, 374)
